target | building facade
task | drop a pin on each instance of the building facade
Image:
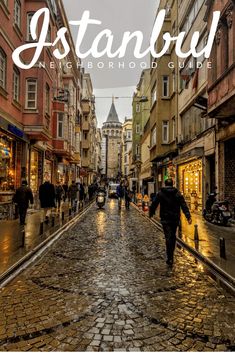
(40, 108)
(126, 145)
(221, 97)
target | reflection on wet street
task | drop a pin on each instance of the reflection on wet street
(105, 286)
(209, 241)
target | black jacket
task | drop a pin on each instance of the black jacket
(47, 195)
(22, 196)
(171, 201)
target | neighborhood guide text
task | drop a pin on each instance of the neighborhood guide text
(39, 41)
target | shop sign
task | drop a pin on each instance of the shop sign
(14, 130)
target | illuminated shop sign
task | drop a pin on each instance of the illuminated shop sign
(14, 130)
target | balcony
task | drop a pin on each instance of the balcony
(85, 144)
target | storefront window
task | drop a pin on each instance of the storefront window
(7, 163)
(34, 171)
(190, 176)
(47, 170)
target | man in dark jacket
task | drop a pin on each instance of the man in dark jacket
(47, 198)
(73, 195)
(171, 202)
(22, 198)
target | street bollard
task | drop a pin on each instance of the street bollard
(196, 236)
(63, 216)
(23, 238)
(41, 228)
(222, 248)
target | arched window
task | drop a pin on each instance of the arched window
(3, 68)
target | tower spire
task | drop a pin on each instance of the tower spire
(113, 99)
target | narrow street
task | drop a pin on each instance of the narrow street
(105, 286)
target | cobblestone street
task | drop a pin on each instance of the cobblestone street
(105, 286)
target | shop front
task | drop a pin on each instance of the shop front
(36, 169)
(190, 184)
(12, 168)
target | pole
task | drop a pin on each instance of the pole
(222, 248)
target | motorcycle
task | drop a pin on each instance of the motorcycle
(100, 198)
(217, 212)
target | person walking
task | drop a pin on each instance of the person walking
(47, 198)
(120, 194)
(171, 202)
(22, 198)
(65, 188)
(73, 195)
(127, 197)
(81, 194)
(59, 192)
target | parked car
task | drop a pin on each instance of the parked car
(112, 192)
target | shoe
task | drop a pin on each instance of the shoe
(169, 262)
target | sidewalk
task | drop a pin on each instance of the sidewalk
(14, 244)
(209, 241)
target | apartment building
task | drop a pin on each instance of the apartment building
(196, 131)
(40, 109)
(163, 103)
(126, 145)
(221, 97)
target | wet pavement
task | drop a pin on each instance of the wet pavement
(209, 241)
(14, 244)
(105, 286)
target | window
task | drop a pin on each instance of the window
(17, 12)
(125, 147)
(85, 135)
(47, 99)
(154, 94)
(125, 159)
(137, 108)
(29, 18)
(165, 132)
(85, 153)
(154, 136)
(60, 125)
(3, 68)
(137, 128)
(165, 86)
(16, 84)
(137, 151)
(129, 135)
(31, 94)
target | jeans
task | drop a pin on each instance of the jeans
(22, 213)
(170, 236)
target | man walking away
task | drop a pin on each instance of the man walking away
(47, 198)
(171, 202)
(73, 195)
(22, 198)
(120, 194)
(59, 192)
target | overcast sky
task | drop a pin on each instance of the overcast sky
(118, 16)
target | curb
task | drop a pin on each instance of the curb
(223, 277)
(31, 256)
